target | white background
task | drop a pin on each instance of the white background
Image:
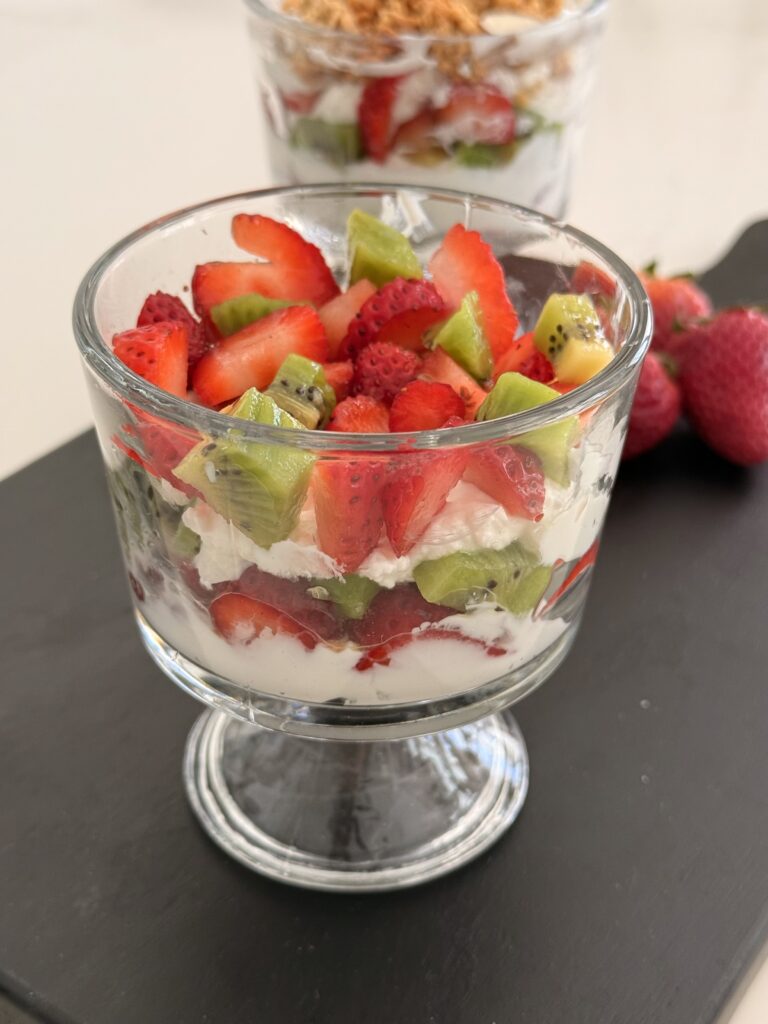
(116, 111)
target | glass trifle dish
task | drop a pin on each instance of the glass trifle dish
(485, 96)
(360, 444)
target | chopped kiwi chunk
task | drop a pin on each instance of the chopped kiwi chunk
(570, 335)
(301, 389)
(351, 594)
(463, 338)
(378, 252)
(485, 154)
(235, 314)
(512, 393)
(512, 577)
(258, 487)
(339, 143)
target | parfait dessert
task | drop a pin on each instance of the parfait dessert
(350, 520)
(483, 96)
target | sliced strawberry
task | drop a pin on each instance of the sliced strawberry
(401, 312)
(339, 376)
(291, 597)
(297, 267)
(158, 353)
(360, 415)
(585, 562)
(240, 619)
(464, 263)
(425, 405)
(417, 135)
(347, 496)
(337, 314)
(161, 307)
(523, 357)
(382, 369)
(511, 475)
(161, 447)
(394, 614)
(381, 654)
(213, 283)
(251, 357)
(417, 488)
(374, 116)
(300, 102)
(477, 113)
(438, 365)
(591, 280)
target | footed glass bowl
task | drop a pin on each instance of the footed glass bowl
(357, 736)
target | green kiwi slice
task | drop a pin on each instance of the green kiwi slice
(300, 388)
(378, 252)
(463, 338)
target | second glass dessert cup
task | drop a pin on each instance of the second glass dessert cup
(364, 742)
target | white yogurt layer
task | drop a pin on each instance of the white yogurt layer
(427, 668)
(339, 103)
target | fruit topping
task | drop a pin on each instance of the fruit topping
(588, 279)
(337, 315)
(512, 476)
(513, 578)
(158, 353)
(655, 409)
(378, 252)
(360, 415)
(351, 594)
(301, 389)
(383, 369)
(251, 357)
(522, 356)
(348, 512)
(416, 491)
(439, 366)
(401, 312)
(233, 315)
(339, 376)
(463, 338)
(375, 116)
(425, 405)
(259, 487)
(477, 114)
(162, 307)
(569, 333)
(464, 263)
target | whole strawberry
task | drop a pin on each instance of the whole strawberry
(724, 378)
(655, 410)
(677, 303)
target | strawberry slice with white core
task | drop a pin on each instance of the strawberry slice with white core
(251, 357)
(512, 476)
(465, 262)
(438, 365)
(241, 619)
(158, 352)
(401, 312)
(348, 515)
(337, 315)
(476, 113)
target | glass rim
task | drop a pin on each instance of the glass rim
(180, 411)
(548, 27)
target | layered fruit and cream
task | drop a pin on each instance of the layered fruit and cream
(398, 564)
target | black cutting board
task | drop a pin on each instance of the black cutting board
(632, 890)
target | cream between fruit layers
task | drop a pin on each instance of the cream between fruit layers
(366, 577)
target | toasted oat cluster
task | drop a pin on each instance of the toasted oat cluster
(396, 17)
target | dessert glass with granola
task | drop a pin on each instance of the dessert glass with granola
(483, 96)
(360, 443)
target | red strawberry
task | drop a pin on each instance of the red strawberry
(655, 410)
(438, 365)
(417, 135)
(586, 561)
(677, 303)
(401, 312)
(382, 369)
(511, 475)
(360, 415)
(162, 445)
(381, 654)
(158, 353)
(477, 113)
(464, 263)
(522, 356)
(339, 376)
(296, 268)
(725, 384)
(164, 307)
(424, 405)
(251, 357)
(300, 102)
(416, 491)
(242, 619)
(213, 283)
(347, 496)
(374, 116)
(396, 613)
(292, 598)
(337, 314)
(587, 279)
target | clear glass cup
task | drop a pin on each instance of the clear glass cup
(346, 750)
(311, 81)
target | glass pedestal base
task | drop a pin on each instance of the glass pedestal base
(355, 816)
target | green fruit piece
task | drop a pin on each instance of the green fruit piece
(512, 393)
(339, 143)
(463, 338)
(430, 156)
(351, 594)
(484, 154)
(234, 314)
(378, 252)
(512, 578)
(300, 388)
(184, 544)
(258, 487)
(570, 335)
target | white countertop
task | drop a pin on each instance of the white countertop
(116, 111)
